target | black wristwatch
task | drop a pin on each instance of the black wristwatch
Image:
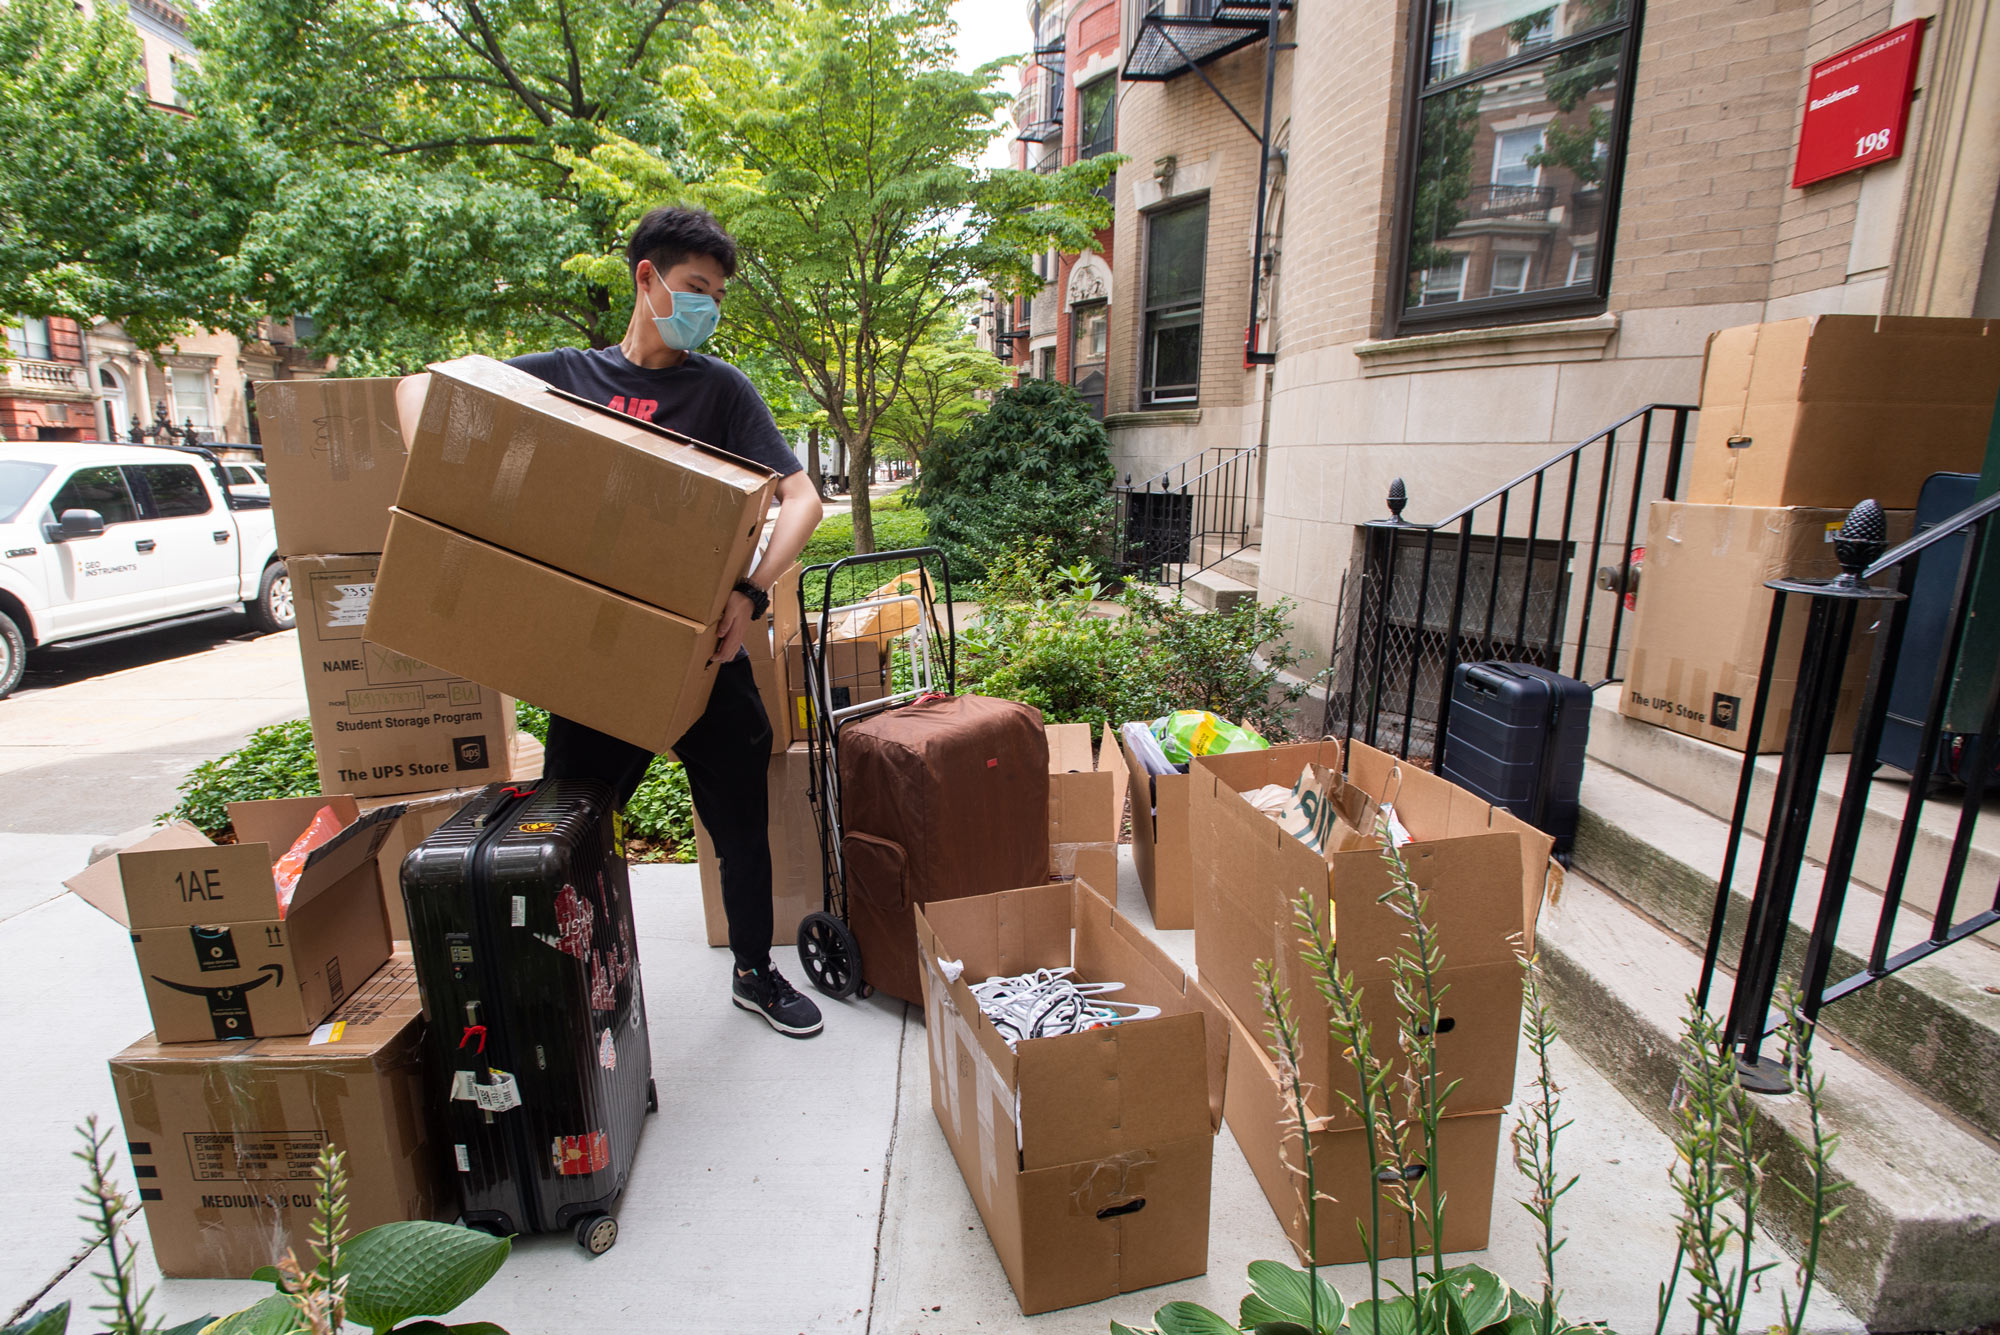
(760, 601)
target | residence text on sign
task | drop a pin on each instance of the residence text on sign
(1857, 104)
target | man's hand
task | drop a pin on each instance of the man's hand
(735, 624)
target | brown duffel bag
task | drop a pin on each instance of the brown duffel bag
(944, 798)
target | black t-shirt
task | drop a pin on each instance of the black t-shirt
(702, 397)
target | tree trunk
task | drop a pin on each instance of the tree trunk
(861, 461)
(812, 460)
(840, 458)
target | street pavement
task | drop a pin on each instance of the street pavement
(784, 1186)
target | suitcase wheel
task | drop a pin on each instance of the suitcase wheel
(829, 956)
(596, 1233)
(652, 1097)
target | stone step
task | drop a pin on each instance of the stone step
(1705, 775)
(1935, 1024)
(1918, 1247)
(1216, 591)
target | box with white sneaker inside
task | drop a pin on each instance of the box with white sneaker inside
(1082, 1117)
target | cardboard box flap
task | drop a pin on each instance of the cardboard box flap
(100, 885)
(1013, 932)
(1086, 1096)
(209, 885)
(1472, 885)
(353, 847)
(1929, 360)
(279, 821)
(1069, 748)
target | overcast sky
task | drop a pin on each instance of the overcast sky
(987, 30)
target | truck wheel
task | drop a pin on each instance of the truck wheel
(13, 655)
(273, 609)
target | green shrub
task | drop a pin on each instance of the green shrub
(276, 761)
(1035, 465)
(661, 812)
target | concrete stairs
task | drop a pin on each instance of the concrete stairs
(1227, 580)
(1912, 1062)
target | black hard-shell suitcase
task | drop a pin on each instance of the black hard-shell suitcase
(1516, 738)
(1924, 634)
(521, 928)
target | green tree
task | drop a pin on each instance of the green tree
(429, 202)
(945, 386)
(1444, 157)
(837, 143)
(113, 208)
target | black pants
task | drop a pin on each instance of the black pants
(727, 754)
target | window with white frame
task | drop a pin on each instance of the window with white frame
(1444, 282)
(1510, 274)
(1514, 153)
(1582, 265)
(191, 397)
(30, 338)
(1176, 266)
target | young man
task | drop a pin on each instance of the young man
(681, 261)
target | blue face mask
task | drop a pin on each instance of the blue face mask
(694, 319)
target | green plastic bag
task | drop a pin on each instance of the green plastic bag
(1188, 733)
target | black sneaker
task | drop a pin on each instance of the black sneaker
(765, 992)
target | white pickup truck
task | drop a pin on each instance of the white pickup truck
(100, 540)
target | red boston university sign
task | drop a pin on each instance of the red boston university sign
(1857, 104)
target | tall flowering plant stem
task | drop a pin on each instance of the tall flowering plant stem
(1283, 1029)
(106, 1212)
(1536, 1133)
(1818, 1192)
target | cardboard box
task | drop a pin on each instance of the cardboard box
(1485, 872)
(223, 1136)
(1702, 614)
(797, 877)
(1088, 1155)
(333, 452)
(384, 722)
(856, 674)
(1161, 847)
(1261, 1121)
(577, 649)
(1086, 806)
(780, 622)
(216, 959)
(657, 516)
(1833, 409)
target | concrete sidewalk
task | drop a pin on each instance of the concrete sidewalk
(784, 1186)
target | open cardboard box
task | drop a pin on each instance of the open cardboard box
(657, 516)
(223, 1136)
(1485, 870)
(1088, 1155)
(1261, 1120)
(1161, 847)
(1086, 805)
(216, 959)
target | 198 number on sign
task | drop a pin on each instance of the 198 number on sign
(1871, 143)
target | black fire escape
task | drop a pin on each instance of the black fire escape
(1048, 126)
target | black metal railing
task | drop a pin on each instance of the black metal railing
(1531, 202)
(1964, 685)
(1481, 584)
(1176, 36)
(1193, 516)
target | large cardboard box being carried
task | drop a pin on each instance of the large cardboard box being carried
(1261, 1119)
(217, 957)
(1834, 409)
(1702, 614)
(1485, 871)
(626, 668)
(1086, 805)
(333, 452)
(1088, 1155)
(657, 516)
(384, 722)
(797, 878)
(1161, 848)
(223, 1136)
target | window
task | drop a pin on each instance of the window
(176, 491)
(239, 476)
(1097, 130)
(101, 489)
(1089, 335)
(1176, 259)
(1045, 363)
(190, 396)
(1520, 126)
(18, 481)
(30, 338)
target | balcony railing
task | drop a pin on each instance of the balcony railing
(1177, 35)
(62, 380)
(1530, 203)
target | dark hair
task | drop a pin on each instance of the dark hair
(666, 236)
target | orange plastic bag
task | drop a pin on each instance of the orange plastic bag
(292, 865)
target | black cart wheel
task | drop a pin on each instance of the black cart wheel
(652, 1097)
(829, 956)
(596, 1233)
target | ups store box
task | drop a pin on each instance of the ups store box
(657, 516)
(223, 1136)
(1086, 805)
(333, 451)
(1161, 847)
(578, 649)
(1703, 612)
(1833, 409)
(218, 959)
(1485, 872)
(797, 877)
(856, 673)
(1260, 1118)
(383, 722)
(1087, 1155)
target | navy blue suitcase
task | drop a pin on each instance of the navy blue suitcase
(521, 931)
(1516, 738)
(1924, 634)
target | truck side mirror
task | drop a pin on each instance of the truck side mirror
(79, 524)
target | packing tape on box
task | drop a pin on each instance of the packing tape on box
(515, 461)
(467, 418)
(1110, 1187)
(620, 490)
(435, 411)
(451, 572)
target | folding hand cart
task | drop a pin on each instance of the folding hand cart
(890, 647)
